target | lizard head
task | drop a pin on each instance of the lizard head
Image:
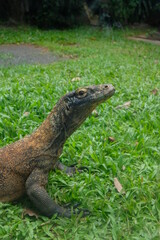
(80, 103)
(88, 97)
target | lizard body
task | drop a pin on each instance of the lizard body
(25, 164)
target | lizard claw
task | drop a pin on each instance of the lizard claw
(78, 169)
(69, 205)
(82, 169)
(85, 212)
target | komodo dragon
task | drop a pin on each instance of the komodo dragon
(25, 164)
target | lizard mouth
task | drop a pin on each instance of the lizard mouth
(108, 91)
(110, 94)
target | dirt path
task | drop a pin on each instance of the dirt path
(143, 39)
(13, 54)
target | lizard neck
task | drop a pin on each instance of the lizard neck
(63, 122)
(59, 125)
(53, 133)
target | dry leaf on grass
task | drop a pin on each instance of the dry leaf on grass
(30, 213)
(93, 38)
(123, 167)
(117, 185)
(125, 105)
(95, 113)
(142, 179)
(26, 114)
(75, 79)
(136, 143)
(154, 91)
(111, 139)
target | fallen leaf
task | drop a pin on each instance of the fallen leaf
(154, 91)
(136, 143)
(95, 113)
(26, 114)
(142, 179)
(111, 139)
(125, 105)
(75, 79)
(30, 213)
(93, 38)
(117, 185)
(123, 167)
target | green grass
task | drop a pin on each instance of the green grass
(96, 56)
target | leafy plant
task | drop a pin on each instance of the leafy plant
(122, 11)
(57, 13)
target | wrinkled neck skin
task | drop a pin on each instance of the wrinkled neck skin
(68, 114)
(61, 123)
(65, 121)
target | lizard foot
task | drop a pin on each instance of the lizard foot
(77, 169)
(71, 170)
(76, 210)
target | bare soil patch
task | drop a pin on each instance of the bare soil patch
(17, 54)
(153, 38)
(145, 40)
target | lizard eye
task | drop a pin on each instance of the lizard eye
(81, 93)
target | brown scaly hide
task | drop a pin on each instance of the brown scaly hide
(31, 158)
(18, 160)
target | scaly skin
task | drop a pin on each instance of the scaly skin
(25, 164)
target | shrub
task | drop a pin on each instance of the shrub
(154, 15)
(121, 11)
(56, 13)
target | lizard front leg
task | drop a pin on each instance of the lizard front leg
(69, 170)
(35, 187)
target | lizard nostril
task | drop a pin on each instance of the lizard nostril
(106, 86)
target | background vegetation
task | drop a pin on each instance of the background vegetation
(95, 56)
(62, 14)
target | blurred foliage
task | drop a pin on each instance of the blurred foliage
(43, 13)
(68, 13)
(59, 13)
(117, 12)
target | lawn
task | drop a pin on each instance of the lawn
(95, 56)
